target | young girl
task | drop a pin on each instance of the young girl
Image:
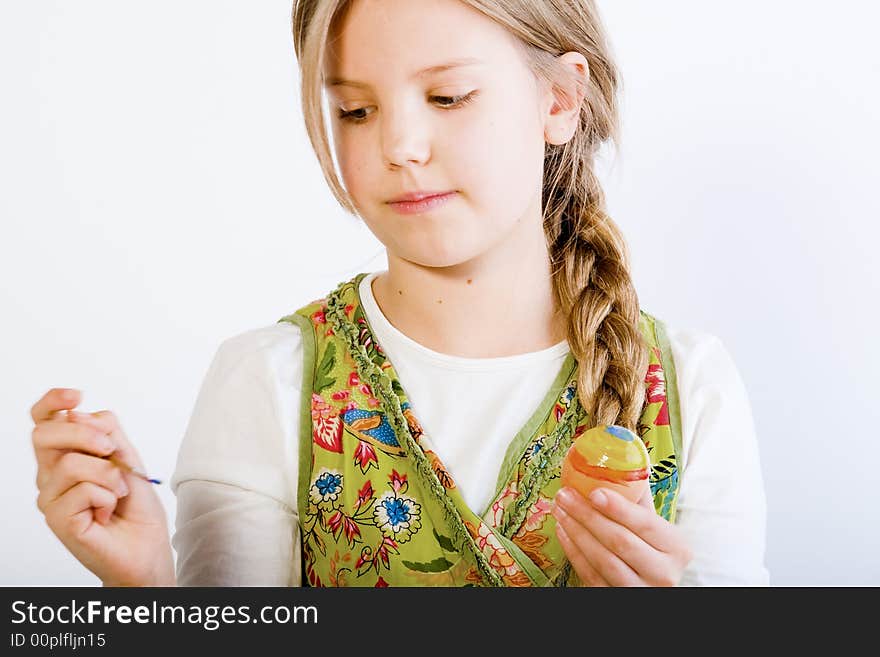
(408, 428)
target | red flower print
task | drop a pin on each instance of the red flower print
(365, 456)
(334, 522)
(381, 583)
(372, 559)
(349, 308)
(326, 425)
(558, 411)
(339, 396)
(398, 482)
(312, 576)
(352, 531)
(656, 392)
(372, 401)
(365, 388)
(353, 380)
(318, 317)
(341, 521)
(382, 552)
(365, 494)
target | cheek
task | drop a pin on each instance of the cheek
(499, 164)
(354, 167)
(350, 160)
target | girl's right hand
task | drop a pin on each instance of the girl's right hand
(112, 521)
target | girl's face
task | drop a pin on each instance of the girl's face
(475, 129)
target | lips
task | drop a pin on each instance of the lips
(418, 196)
(426, 202)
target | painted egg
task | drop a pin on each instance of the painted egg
(607, 456)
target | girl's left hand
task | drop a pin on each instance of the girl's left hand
(611, 541)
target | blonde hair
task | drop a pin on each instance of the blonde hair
(591, 281)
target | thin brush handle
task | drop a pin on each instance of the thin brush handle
(125, 466)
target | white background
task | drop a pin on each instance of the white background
(158, 195)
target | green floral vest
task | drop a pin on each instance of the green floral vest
(378, 508)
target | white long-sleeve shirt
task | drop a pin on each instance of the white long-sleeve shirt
(237, 469)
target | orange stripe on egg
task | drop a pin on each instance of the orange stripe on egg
(605, 474)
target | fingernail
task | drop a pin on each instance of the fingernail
(598, 498)
(564, 496)
(68, 395)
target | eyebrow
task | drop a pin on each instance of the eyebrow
(456, 63)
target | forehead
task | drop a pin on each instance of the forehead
(377, 40)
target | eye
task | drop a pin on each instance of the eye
(445, 102)
(352, 116)
(455, 101)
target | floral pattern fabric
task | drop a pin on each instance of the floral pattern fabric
(377, 507)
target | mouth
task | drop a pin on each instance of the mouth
(417, 204)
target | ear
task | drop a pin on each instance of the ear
(564, 103)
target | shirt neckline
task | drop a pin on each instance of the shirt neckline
(384, 330)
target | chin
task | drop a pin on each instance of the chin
(437, 260)
(441, 253)
(431, 245)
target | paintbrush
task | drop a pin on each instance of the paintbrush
(71, 417)
(137, 473)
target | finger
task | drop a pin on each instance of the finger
(608, 565)
(73, 513)
(619, 540)
(638, 519)
(52, 439)
(585, 572)
(647, 500)
(75, 467)
(56, 399)
(108, 422)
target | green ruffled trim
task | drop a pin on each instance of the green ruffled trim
(381, 384)
(526, 435)
(545, 465)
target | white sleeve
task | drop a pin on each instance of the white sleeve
(236, 473)
(721, 506)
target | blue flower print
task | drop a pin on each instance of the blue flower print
(397, 516)
(325, 489)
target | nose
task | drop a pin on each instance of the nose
(405, 140)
